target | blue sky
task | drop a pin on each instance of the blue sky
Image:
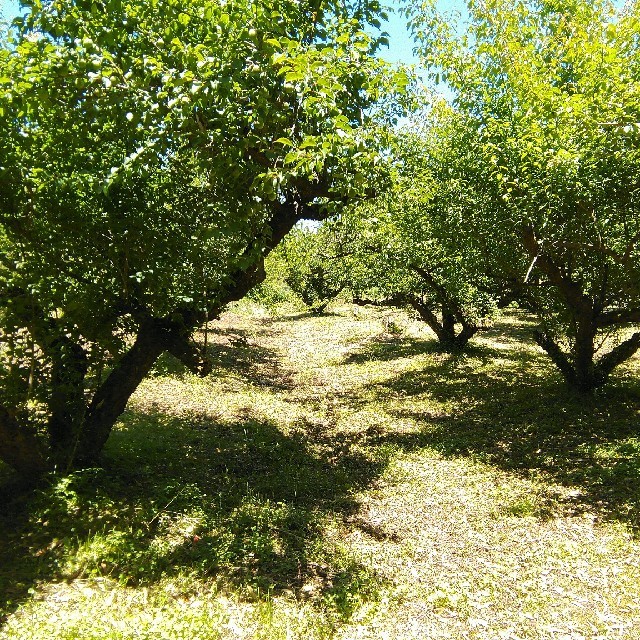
(8, 8)
(400, 41)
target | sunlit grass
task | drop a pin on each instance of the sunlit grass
(333, 479)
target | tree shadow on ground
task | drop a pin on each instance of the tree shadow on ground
(234, 351)
(386, 348)
(237, 504)
(302, 315)
(512, 330)
(516, 414)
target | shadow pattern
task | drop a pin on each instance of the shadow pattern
(237, 504)
(238, 352)
(520, 418)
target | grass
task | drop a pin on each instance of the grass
(331, 480)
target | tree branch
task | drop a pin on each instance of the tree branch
(571, 290)
(557, 356)
(189, 354)
(616, 356)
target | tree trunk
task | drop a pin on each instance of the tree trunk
(19, 448)
(113, 394)
(585, 379)
(447, 335)
(577, 370)
(156, 336)
(466, 333)
(445, 329)
(67, 404)
(583, 373)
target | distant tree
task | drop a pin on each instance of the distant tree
(415, 248)
(314, 265)
(273, 291)
(151, 156)
(549, 92)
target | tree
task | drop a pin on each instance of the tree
(314, 272)
(152, 155)
(549, 94)
(415, 249)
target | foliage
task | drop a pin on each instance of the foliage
(549, 94)
(414, 245)
(316, 270)
(273, 291)
(152, 155)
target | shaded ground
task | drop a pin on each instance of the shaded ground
(331, 480)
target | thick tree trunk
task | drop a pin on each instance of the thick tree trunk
(582, 372)
(67, 404)
(448, 330)
(578, 370)
(113, 394)
(585, 380)
(19, 448)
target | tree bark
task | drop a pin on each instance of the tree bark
(616, 356)
(445, 329)
(448, 328)
(67, 404)
(558, 357)
(583, 357)
(19, 448)
(113, 394)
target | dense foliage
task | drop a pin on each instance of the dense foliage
(152, 155)
(413, 245)
(316, 269)
(548, 92)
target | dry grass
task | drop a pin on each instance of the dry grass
(329, 480)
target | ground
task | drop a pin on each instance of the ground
(337, 476)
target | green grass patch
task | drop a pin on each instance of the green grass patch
(331, 479)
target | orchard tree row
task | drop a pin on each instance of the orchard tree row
(525, 186)
(153, 154)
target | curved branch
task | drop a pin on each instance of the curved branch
(616, 356)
